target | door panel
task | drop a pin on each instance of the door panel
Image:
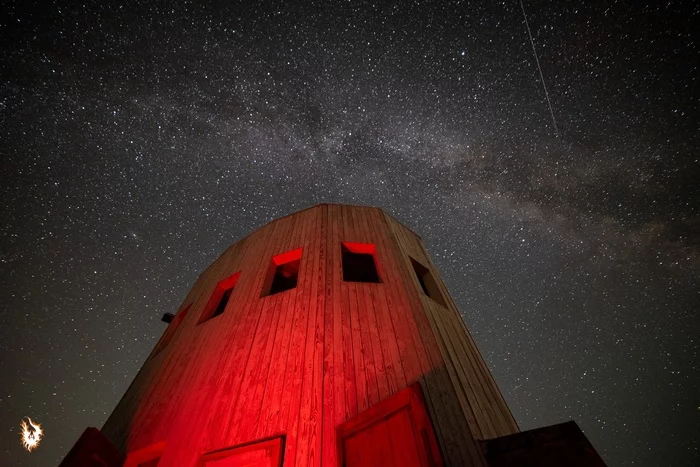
(396, 432)
(266, 453)
(403, 443)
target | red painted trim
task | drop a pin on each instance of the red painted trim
(287, 257)
(365, 248)
(228, 283)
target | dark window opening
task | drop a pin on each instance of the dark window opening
(284, 272)
(427, 282)
(220, 298)
(286, 276)
(359, 264)
(223, 302)
(422, 284)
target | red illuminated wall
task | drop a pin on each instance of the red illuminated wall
(297, 351)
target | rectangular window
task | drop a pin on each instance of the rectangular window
(220, 298)
(427, 282)
(359, 262)
(223, 301)
(284, 272)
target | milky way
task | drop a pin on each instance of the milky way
(139, 140)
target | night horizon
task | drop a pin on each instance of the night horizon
(140, 141)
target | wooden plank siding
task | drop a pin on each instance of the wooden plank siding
(487, 410)
(301, 362)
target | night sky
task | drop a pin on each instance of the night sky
(139, 140)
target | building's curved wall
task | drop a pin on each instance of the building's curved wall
(303, 361)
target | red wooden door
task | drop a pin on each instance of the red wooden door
(396, 432)
(267, 453)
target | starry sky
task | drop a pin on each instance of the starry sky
(139, 139)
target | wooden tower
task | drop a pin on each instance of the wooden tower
(324, 338)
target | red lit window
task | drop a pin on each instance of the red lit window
(427, 282)
(284, 272)
(359, 262)
(263, 453)
(220, 298)
(171, 329)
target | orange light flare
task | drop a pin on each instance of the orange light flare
(31, 434)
